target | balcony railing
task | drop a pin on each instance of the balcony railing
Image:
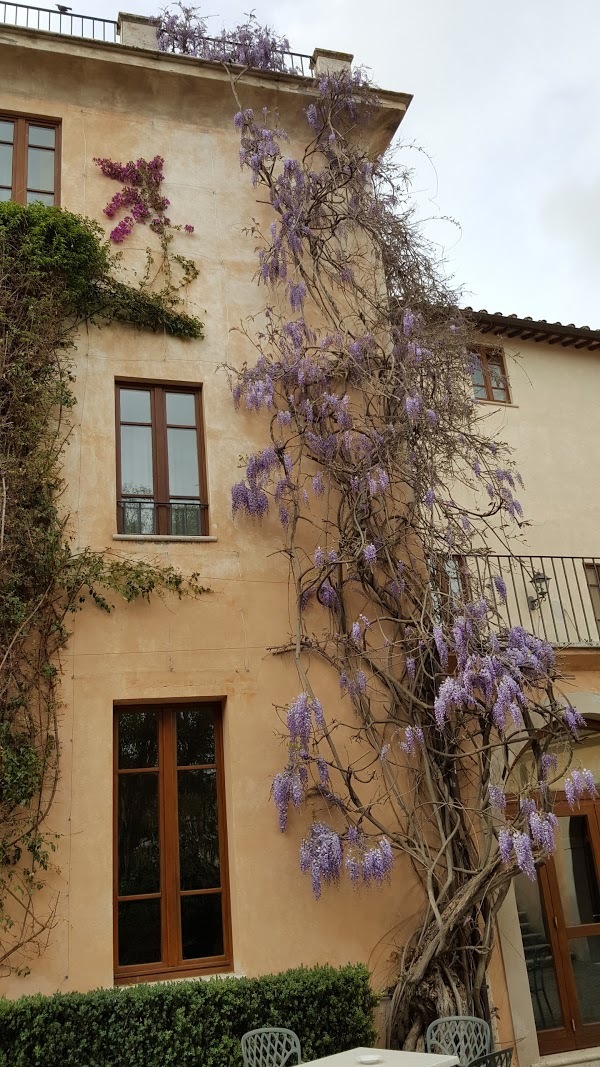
(54, 21)
(216, 49)
(555, 597)
(173, 518)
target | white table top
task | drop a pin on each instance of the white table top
(385, 1058)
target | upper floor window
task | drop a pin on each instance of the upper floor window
(29, 160)
(171, 912)
(161, 480)
(490, 381)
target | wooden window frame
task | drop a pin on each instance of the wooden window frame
(484, 354)
(160, 470)
(172, 964)
(574, 1035)
(22, 122)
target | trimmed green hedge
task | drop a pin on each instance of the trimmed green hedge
(188, 1024)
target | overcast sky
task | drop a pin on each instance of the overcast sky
(507, 107)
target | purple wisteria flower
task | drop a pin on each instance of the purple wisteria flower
(370, 554)
(414, 405)
(500, 586)
(505, 845)
(497, 797)
(413, 739)
(524, 854)
(440, 644)
(577, 784)
(574, 720)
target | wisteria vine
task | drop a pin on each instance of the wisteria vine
(448, 733)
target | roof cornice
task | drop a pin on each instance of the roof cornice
(540, 331)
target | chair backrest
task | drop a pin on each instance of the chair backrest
(459, 1035)
(270, 1047)
(495, 1059)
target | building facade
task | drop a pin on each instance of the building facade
(168, 730)
(155, 449)
(537, 384)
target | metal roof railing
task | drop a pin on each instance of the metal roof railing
(59, 21)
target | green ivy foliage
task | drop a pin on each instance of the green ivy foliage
(70, 253)
(54, 275)
(188, 1024)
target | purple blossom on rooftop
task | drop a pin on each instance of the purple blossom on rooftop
(319, 557)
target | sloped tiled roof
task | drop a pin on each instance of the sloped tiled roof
(528, 329)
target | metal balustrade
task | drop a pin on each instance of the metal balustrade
(173, 518)
(212, 48)
(52, 20)
(555, 597)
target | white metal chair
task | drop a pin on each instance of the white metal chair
(459, 1035)
(270, 1047)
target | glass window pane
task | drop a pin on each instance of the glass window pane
(585, 959)
(576, 872)
(185, 519)
(42, 198)
(138, 738)
(42, 135)
(138, 516)
(199, 864)
(135, 405)
(196, 735)
(139, 932)
(7, 131)
(136, 459)
(538, 955)
(478, 379)
(497, 379)
(40, 169)
(6, 160)
(139, 866)
(5, 194)
(183, 463)
(181, 409)
(201, 926)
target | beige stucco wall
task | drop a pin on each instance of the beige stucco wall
(216, 646)
(552, 424)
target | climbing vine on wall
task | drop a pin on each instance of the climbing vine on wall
(384, 483)
(55, 272)
(143, 197)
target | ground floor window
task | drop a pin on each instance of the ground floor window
(171, 911)
(559, 916)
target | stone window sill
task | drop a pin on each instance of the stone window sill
(165, 538)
